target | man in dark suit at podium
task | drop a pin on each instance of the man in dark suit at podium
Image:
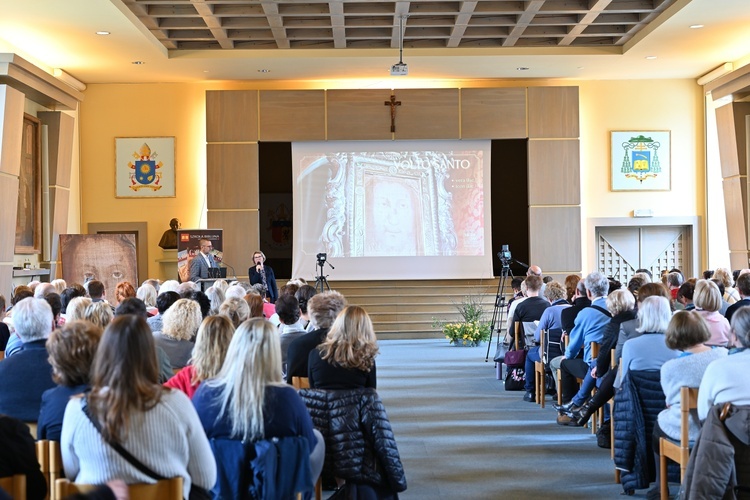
(201, 263)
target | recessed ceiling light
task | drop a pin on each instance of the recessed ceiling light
(650, 58)
(696, 26)
(522, 68)
(264, 71)
(138, 63)
(580, 67)
(103, 33)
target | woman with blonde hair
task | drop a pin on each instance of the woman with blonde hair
(99, 313)
(77, 308)
(707, 300)
(179, 326)
(127, 406)
(731, 295)
(249, 401)
(209, 352)
(236, 310)
(346, 359)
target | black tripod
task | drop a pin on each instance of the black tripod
(321, 280)
(500, 308)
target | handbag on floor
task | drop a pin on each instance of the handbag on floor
(514, 359)
(515, 379)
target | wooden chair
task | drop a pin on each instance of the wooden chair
(2, 355)
(539, 372)
(166, 489)
(558, 375)
(300, 383)
(678, 452)
(42, 456)
(598, 417)
(14, 485)
(55, 467)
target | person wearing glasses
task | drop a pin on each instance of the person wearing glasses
(202, 262)
(263, 274)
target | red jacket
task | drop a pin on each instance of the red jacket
(182, 381)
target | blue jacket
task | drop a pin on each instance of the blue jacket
(271, 469)
(25, 376)
(637, 406)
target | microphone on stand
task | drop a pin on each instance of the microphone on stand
(230, 267)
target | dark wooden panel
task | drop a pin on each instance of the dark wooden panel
(231, 115)
(59, 202)
(232, 173)
(427, 114)
(241, 237)
(554, 172)
(292, 115)
(493, 113)
(359, 115)
(553, 112)
(555, 239)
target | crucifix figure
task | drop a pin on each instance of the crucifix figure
(393, 103)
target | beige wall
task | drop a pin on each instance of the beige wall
(675, 105)
(110, 111)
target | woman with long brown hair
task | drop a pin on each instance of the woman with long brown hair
(127, 406)
(346, 359)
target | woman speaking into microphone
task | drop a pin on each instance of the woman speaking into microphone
(263, 274)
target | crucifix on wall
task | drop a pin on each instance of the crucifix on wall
(393, 103)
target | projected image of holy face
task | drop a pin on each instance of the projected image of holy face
(393, 217)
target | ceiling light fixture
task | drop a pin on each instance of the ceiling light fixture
(264, 70)
(103, 33)
(650, 58)
(696, 26)
(400, 68)
(138, 63)
(522, 68)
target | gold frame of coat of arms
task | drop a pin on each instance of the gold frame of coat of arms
(640, 160)
(144, 167)
(346, 230)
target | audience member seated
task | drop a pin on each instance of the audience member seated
(136, 307)
(69, 294)
(687, 332)
(15, 344)
(530, 310)
(571, 282)
(707, 298)
(588, 327)
(209, 352)
(147, 293)
(42, 289)
(216, 298)
(725, 381)
(555, 294)
(235, 291)
(124, 290)
(731, 295)
(180, 324)
(163, 302)
(621, 305)
(287, 307)
(99, 313)
(255, 302)
(18, 456)
(28, 374)
(77, 308)
(685, 295)
(71, 354)
(127, 406)
(97, 292)
(169, 286)
(323, 309)
(249, 401)
(346, 359)
(203, 302)
(303, 295)
(648, 351)
(236, 309)
(4, 330)
(743, 287)
(724, 303)
(674, 282)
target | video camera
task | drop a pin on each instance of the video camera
(321, 258)
(504, 256)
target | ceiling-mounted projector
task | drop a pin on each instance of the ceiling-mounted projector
(399, 69)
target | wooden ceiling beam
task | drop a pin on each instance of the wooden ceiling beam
(524, 20)
(595, 9)
(462, 22)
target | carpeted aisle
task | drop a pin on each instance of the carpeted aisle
(461, 435)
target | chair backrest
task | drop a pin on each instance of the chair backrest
(55, 467)
(2, 355)
(166, 489)
(15, 485)
(552, 346)
(300, 383)
(595, 349)
(688, 403)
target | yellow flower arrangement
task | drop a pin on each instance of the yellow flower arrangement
(469, 333)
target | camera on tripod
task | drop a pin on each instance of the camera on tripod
(321, 258)
(503, 255)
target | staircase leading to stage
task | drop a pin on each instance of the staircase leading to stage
(406, 309)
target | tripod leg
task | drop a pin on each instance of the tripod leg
(499, 308)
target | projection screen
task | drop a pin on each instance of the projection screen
(392, 210)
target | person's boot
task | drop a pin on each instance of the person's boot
(565, 408)
(583, 414)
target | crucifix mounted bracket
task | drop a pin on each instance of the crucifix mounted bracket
(393, 103)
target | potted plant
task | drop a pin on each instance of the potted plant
(471, 330)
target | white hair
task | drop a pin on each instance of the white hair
(32, 319)
(187, 287)
(42, 289)
(147, 293)
(654, 314)
(235, 291)
(168, 286)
